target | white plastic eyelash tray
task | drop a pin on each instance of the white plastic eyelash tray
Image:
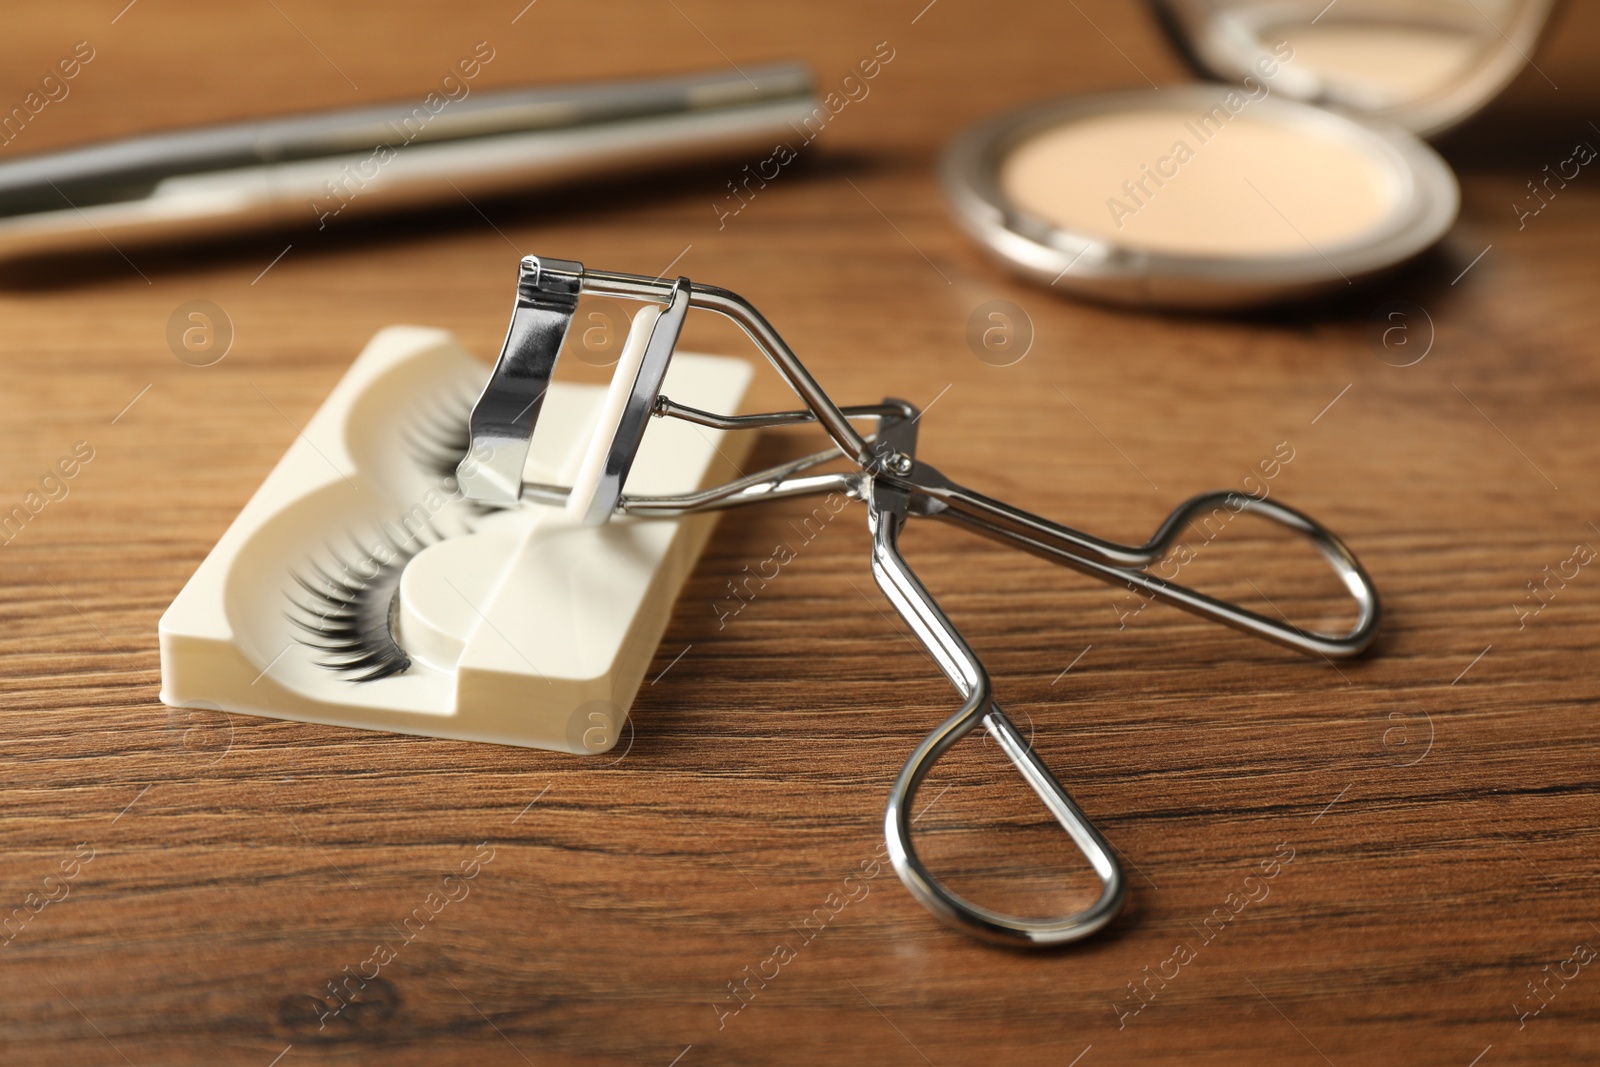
(522, 626)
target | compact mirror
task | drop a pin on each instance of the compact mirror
(1303, 169)
(1424, 65)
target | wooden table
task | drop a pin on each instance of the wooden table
(1427, 814)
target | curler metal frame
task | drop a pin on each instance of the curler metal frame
(895, 486)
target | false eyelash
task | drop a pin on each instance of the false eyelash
(351, 615)
(439, 435)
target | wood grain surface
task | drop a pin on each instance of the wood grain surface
(1418, 827)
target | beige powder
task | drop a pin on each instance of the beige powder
(1239, 185)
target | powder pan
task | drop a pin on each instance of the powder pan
(1421, 192)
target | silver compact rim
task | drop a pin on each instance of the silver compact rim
(1100, 267)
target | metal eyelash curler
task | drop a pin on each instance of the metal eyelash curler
(895, 486)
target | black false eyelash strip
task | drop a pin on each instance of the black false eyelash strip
(438, 436)
(350, 614)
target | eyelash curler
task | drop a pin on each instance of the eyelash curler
(885, 474)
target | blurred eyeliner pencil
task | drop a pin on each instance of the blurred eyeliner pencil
(317, 167)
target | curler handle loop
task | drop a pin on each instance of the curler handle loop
(886, 511)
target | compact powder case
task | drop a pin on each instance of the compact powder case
(1305, 172)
